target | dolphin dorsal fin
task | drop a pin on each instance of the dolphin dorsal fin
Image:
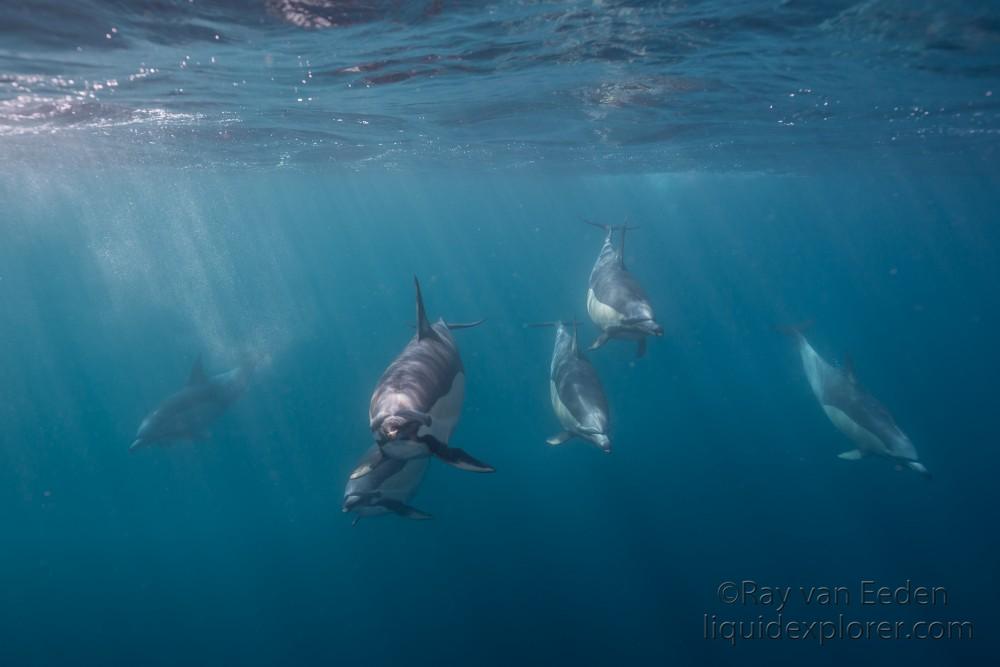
(423, 326)
(849, 367)
(576, 349)
(197, 373)
(621, 248)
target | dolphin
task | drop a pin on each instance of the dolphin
(578, 398)
(187, 414)
(615, 300)
(388, 487)
(418, 399)
(856, 413)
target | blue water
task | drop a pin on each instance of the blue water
(785, 161)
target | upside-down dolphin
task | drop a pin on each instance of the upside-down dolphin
(615, 300)
(578, 398)
(855, 412)
(387, 487)
(418, 399)
(187, 414)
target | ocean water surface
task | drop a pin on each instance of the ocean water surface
(264, 179)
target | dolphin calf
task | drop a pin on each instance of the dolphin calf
(387, 488)
(577, 395)
(855, 412)
(418, 399)
(187, 414)
(615, 300)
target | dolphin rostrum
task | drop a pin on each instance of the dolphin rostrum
(615, 300)
(418, 399)
(855, 412)
(187, 414)
(387, 488)
(578, 398)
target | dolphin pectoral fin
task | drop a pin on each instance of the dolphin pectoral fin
(601, 340)
(853, 455)
(355, 522)
(368, 466)
(559, 438)
(463, 460)
(640, 348)
(402, 509)
(455, 456)
(464, 325)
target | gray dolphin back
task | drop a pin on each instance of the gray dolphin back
(576, 380)
(611, 282)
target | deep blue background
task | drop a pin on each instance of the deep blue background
(234, 551)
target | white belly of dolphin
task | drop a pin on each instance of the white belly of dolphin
(445, 412)
(602, 314)
(862, 437)
(815, 367)
(563, 414)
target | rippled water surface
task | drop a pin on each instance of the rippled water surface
(663, 85)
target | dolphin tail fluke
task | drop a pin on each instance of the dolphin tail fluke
(795, 330)
(404, 510)
(423, 326)
(853, 455)
(454, 456)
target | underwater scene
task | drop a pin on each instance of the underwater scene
(499, 333)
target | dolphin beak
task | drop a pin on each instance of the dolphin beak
(139, 442)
